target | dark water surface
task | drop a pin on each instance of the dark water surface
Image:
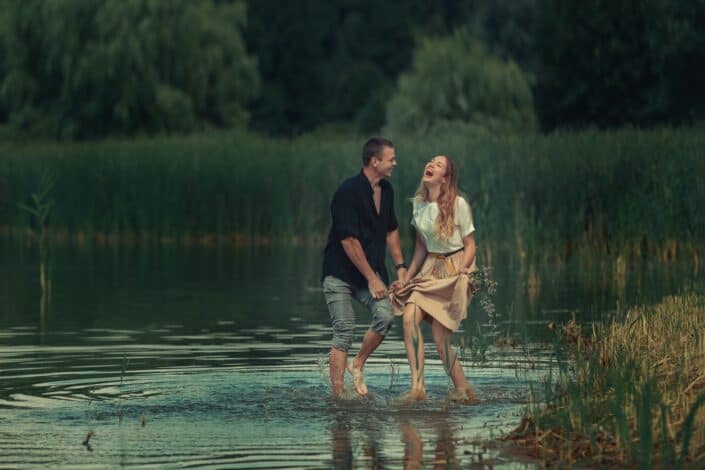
(177, 356)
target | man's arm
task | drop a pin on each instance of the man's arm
(346, 222)
(394, 245)
(353, 249)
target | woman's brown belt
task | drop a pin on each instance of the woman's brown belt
(444, 255)
(450, 269)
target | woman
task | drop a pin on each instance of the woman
(437, 287)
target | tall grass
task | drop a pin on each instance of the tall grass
(629, 191)
(629, 392)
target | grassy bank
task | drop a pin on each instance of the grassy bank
(626, 192)
(629, 392)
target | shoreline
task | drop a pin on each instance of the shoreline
(630, 392)
(630, 253)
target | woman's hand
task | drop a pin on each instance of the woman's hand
(465, 270)
(403, 280)
(402, 276)
(398, 284)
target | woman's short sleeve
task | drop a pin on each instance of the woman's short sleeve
(463, 218)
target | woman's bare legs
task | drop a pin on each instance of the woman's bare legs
(413, 341)
(441, 336)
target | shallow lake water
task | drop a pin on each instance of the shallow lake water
(177, 356)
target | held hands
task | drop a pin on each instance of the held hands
(379, 290)
(403, 279)
(403, 275)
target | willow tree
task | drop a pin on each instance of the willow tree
(90, 68)
(454, 80)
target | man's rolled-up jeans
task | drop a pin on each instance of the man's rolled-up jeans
(339, 295)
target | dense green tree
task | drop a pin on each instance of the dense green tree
(289, 40)
(87, 68)
(507, 27)
(454, 79)
(90, 68)
(338, 60)
(3, 65)
(615, 62)
(329, 61)
(682, 58)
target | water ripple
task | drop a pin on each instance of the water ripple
(241, 399)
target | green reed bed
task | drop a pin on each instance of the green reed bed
(636, 192)
(630, 392)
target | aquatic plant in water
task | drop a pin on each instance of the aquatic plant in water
(393, 375)
(476, 342)
(197, 189)
(630, 392)
(40, 206)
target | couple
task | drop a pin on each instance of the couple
(434, 287)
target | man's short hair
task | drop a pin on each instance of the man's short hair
(374, 148)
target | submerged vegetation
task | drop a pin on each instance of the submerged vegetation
(628, 392)
(631, 193)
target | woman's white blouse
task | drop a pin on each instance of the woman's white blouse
(424, 221)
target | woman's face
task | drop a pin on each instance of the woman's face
(435, 170)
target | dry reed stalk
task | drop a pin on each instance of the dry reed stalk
(651, 367)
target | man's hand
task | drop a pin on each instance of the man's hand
(377, 288)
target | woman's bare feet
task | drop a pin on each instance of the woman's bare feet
(464, 395)
(415, 394)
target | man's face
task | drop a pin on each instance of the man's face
(385, 163)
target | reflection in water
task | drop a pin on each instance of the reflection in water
(223, 349)
(441, 431)
(233, 399)
(45, 282)
(367, 441)
(430, 438)
(413, 446)
(341, 444)
(445, 446)
(533, 285)
(137, 287)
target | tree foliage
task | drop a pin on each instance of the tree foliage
(454, 79)
(506, 27)
(328, 61)
(89, 68)
(615, 62)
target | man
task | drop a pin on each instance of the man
(363, 225)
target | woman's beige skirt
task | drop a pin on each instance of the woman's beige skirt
(438, 290)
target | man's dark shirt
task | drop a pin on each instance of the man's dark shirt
(354, 215)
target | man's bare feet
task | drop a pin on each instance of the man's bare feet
(358, 377)
(464, 395)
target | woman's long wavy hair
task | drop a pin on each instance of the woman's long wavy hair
(445, 222)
